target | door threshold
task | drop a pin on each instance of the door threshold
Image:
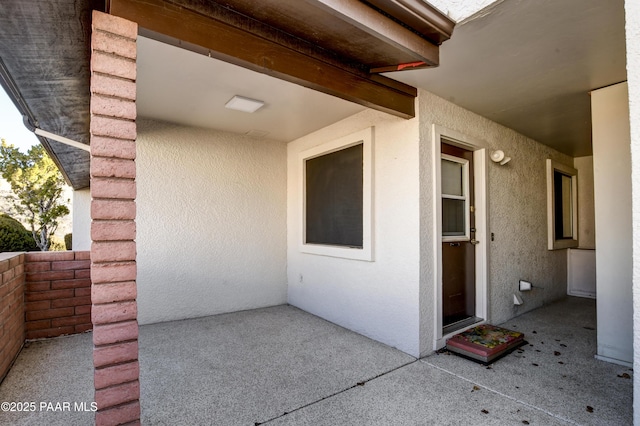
(458, 325)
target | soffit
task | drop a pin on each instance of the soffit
(317, 27)
(530, 66)
(182, 87)
(526, 65)
(333, 46)
(367, 34)
(44, 48)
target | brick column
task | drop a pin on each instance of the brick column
(113, 212)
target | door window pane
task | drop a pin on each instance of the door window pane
(452, 178)
(453, 217)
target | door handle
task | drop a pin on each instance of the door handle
(474, 241)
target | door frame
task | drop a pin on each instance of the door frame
(480, 176)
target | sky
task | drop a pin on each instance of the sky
(15, 133)
(11, 128)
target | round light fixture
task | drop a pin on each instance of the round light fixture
(497, 156)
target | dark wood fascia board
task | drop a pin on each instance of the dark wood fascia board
(311, 27)
(419, 16)
(387, 31)
(222, 11)
(183, 27)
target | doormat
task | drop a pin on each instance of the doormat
(485, 342)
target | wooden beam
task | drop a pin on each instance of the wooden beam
(418, 15)
(381, 28)
(165, 21)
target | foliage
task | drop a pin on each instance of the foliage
(37, 187)
(56, 244)
(14, 236)
(68, 241)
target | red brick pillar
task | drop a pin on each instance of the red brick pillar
(113, 212)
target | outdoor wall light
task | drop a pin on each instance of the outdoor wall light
(499, 157)
(240, 103)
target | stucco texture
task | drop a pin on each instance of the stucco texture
(393, 298)
(517, 215)
(378, 299)
(632, 18)
(586, 208)
(211, 222)
(82, 220)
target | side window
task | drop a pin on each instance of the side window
(562, 206)
(336, 197)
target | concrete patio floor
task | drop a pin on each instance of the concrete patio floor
(282, 366)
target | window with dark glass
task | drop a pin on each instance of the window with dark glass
(563, 197)
(562, 210)
(334, 198)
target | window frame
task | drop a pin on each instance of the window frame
(562, 243)
(464, 197)
(365, 253)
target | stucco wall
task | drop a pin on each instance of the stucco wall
(632, 12)
(82, 220)
(612, 171)
(586, 209)
(517, 215)
(378, 299)
(211, 222)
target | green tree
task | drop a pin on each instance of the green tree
(37, 187)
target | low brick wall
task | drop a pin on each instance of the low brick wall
(12, 328)
(58, 293)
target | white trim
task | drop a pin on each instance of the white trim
(481, 179)
(62, 139)
(481, 222)
(465, 197)
(366, 138)
(552, 243)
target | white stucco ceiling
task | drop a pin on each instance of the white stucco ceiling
(183, 87)
(531, 64)
(528, 65)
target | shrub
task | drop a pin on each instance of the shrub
(68, 241)
(14, 236)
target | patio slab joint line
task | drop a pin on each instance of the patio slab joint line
(526, 404)
(362, 383)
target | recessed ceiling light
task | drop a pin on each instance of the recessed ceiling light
(240, 103)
